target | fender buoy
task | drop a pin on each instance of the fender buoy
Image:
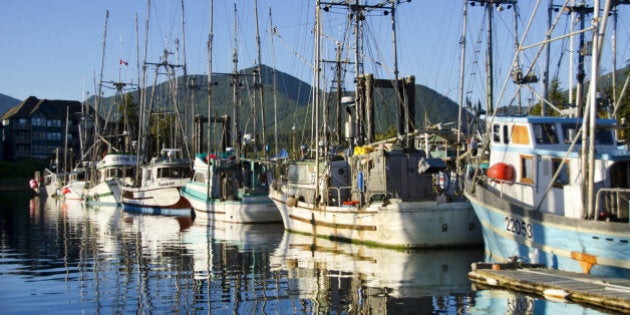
(33, 183)
(501, 172)
(65, 190)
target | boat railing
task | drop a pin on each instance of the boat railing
(306, 193)
(613, 204)
(336, 191)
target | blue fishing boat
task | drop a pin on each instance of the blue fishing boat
(555, 190)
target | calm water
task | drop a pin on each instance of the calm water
(65, 258)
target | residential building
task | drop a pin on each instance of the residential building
(36, 129)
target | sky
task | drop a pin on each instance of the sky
(54, 49)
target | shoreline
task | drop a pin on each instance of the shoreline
(14, 184)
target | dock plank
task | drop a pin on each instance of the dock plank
(608, 293)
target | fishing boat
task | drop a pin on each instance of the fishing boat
(236, 191)
(159, 189)
(555, 190)
(381, 194)
(113, 169)
(76, 185)
(228, 186)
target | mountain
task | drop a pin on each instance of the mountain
(293, 96)
(6, 102)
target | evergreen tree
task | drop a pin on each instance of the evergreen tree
(556, 97)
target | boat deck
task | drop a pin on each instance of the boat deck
(603, 292)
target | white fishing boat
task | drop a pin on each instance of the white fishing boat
(158, 191)
(236, 190)
(74, 189)
(380, 194)
(555, 190)
(45, 185)
(113, 169)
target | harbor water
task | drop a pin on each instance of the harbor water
(68, 258)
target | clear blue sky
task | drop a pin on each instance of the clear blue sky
(53, 49)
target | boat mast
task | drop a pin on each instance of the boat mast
(316, 90)
(462, 70)
(208, 131)
(398, 84)
(96, 102)
(275, 99)
(235, 86)
(489, 59)
(183, 127)
(260, 88)
(100, 79)
(358, 68)
(142, 143)
(599, 28)
(545, 77)
(65, 146)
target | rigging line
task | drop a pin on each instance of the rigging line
(293, 51)
(562, 50)
(165, 38)
(474, 84)
(525, 33)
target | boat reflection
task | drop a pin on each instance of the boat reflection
(203, 234)
(506, 302)
(357, 277)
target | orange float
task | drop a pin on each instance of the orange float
(501, 172)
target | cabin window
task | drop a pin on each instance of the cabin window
(520, 134)
(496, 133)
(199, 177)
(545, 133)
(563, 176)
(506, 136)
(604, 136)
(527, 169)
(569, 132)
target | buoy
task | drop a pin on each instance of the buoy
(556, 294)
(501, 172)
(33, 183)
(65, 190)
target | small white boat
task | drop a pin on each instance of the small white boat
(74, 189)
(158, 191)
(113, 169)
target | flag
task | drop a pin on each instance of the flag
(122, 62)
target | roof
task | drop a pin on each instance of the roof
(50, 108)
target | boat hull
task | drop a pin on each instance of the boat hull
(247, 209)
(422, 224)
(513, 231)
(159, 201)
(106, 193)
(74, 191)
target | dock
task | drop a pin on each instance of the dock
(602, 292)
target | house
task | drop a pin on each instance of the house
(36, 129)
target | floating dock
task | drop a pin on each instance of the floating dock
(603, 292)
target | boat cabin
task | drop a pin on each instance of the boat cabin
(537, 160)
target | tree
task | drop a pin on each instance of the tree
(623, 111)
(556, 97)
(130, 118)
